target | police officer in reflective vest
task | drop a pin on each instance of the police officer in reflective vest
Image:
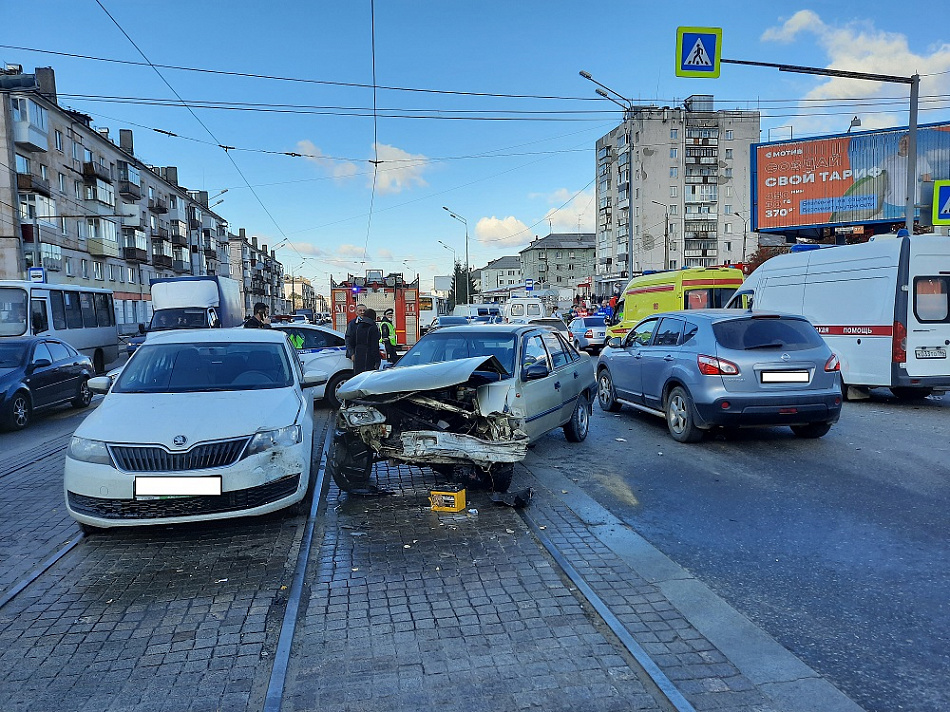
(387, 332)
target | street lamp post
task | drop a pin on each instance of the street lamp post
(465, 223)
(745, 233)
(666, 234)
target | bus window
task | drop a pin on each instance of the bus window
(38, 316)
(59, 309)
(12, 311)
(105, 316)
(88, 310)
(73, 310)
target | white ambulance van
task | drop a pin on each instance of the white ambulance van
(882, 306)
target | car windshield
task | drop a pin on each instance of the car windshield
(453, 320)
(767, 333)
(12, 311)
(451, 346)
(11, 355)
(190, 368)
(184, 318)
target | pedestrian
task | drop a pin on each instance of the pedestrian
(556, 313)
(387, 331)
(350, 325)
(260, 318)
(362, 342)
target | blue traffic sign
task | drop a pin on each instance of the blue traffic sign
(941, 214)
(697, 51)
(529, 285)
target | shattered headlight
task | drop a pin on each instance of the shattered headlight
(360, 415)
(282, 437)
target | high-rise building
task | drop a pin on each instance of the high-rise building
(673, 190)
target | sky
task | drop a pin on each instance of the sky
(477, 107)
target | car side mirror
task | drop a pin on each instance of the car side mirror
(100, 384)
(141, 328)
(40, 363)
(615, 342)
(314, 378)
(535, 371)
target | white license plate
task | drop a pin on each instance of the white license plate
(936, 352)
(177, 486)
(785, 377)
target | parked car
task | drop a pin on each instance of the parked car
(465, 400)
(199, 425)
(716, 367)
(442, 321)
(38, 373)
(588, 333)
(323, 349)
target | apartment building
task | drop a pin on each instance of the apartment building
(673, 190)
(262, 275)
(88, 211)
(299, 293)
(559, 260)
(503, 272)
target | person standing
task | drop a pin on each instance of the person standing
(387, 331)
(351, 324)
(260, 319)
(362, 342)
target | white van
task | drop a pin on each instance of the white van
(883, 307)
(521, 310)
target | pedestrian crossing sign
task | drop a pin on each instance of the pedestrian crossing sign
(941, 214)
(697, 51)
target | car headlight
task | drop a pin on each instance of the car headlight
(359, 415)
(269, 439)
(89, 451)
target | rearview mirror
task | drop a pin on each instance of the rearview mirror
(99, 384)
(535, 371)
(141, 328)
(615, 342)
(314, 378)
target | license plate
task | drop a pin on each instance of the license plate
(936, 352)
(177, 486)
(785, 377)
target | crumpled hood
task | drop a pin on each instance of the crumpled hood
(158, 417)
(424, 377)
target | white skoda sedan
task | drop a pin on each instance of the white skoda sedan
(199, 425)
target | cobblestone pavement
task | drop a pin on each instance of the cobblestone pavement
(411, 609)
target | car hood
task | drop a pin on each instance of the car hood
(160, 417)
(6, 372)
(410, 379)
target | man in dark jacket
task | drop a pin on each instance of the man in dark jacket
(260, 319)
(362, 342)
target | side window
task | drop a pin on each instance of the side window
(58, 309)
(641, 333)
(41, 352)
(932, 299)
(618, 313)
(73, 310)
(572, 353)
(88, 310)
(559, 356)
(38, 315)
(689, 332)
(517, 309)
(313, 339)
(534, 310)
(58, 351)
(534, 352)
(669, 332)
(105, 315)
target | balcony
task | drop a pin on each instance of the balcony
(162, 261)
(98, 247)
(91, 171)
(29, 183)
(129, 190)
(159, 234)
(179, 240)
(181, 266)
(158, 205)
(194, 224)
(210, 252)
(30, 137)
(134, 254)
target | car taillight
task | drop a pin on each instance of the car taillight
(833, 364)
(589, 334)
(712, 366)
(899, 343)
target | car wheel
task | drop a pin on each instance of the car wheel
(680, 418)
(911, 393)
(350, 463)
(811, 430)
(576, 429)
(606, 395)
(333, 385)
(84, 397)
(499, 478)
(19, 411)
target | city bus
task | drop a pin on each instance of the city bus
(430, 307)
(83, 317)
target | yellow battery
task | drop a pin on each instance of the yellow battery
(447, 498)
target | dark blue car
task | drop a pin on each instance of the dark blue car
(37, 373)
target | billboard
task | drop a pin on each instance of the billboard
(844, 179)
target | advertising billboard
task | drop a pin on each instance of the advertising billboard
(843, 179)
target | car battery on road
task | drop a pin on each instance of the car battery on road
(447, 498)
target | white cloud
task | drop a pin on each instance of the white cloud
(504, 231)
(351, 251)
(399, 170)
(859, 46)
(307, 248)
(384, 254)
(337, 168)
(573, 213)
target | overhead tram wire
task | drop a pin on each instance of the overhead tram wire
(375, 161)
(191, 111)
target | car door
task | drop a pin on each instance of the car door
(542, 401)
(67, 369)
(658, 358)
(567, 374)
(43, 378)
(626, 361)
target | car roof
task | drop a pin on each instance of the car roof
(311, 327)
(24, 339)
(488, 328)
(207, 336)
(712, 315)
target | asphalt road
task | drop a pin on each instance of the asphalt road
(837, 547)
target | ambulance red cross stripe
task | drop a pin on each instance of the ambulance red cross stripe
(830, 330)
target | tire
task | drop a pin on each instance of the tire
(350, 463)
(498, 479)
(910, 393)
(332, 385)
(99, 363)
(84, 397)
(19, 411)
(811, 430)
(606, 395)
(576, 429)
(302, 508)
(681, 418)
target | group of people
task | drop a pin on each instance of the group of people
(363, 335)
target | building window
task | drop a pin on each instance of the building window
(58, 136)
(674, 172)
(672, 264)
(728, 210)
(22, 165)
(727, 228)
(97, 270)
(727, 246)
(131, 275)
(728, 153)
(673, 210)
(77, 189)
(674, 191)
(727, 172)
(68, 264)
(62, 183)
(77, 150)
(673, 153)
(729, 135)
(112, 273)
(84, 269)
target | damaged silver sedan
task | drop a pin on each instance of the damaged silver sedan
(466, 401)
